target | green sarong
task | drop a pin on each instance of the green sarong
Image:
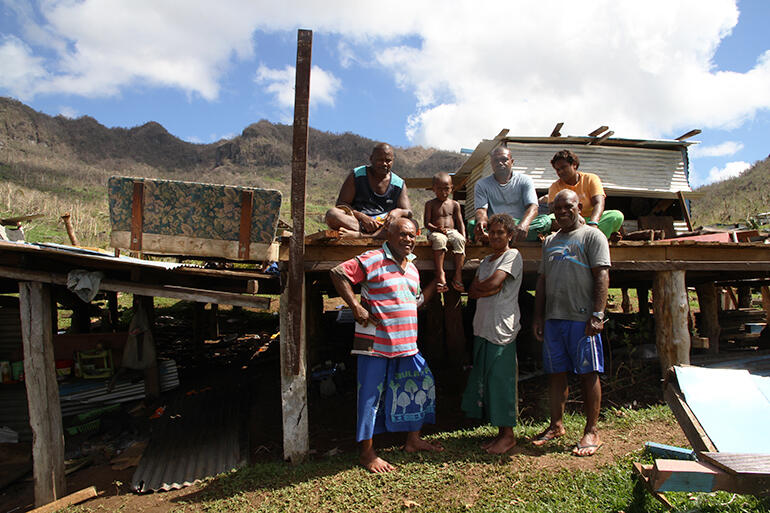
(492, 391)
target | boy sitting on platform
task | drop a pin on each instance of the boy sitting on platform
(590, 193)
(444, 220)
(491, 392)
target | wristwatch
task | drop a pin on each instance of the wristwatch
(598, 315)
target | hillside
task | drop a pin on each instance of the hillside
(56, 164)
(735, 199)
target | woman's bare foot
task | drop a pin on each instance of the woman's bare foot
(502, 444)
(549, 434)
(374, 464)
(414, 443)
(489, 443)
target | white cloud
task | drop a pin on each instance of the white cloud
(19, 68)
(724, 149)
(731, 170)
(474, 66)
(280, 83)
(68, 112)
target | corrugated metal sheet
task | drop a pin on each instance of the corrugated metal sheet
(14, 411)
(624, 171)
(198, 436)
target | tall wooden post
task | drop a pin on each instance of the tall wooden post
(671, 308)
(643, 297)
(42, 392)
(709, 315)
(296, 443)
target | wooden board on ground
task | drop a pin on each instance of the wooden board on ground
(737, 463)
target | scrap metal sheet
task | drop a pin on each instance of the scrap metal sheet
(730, 406)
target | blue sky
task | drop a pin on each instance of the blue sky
(441, 74)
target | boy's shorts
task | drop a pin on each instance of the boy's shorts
(453, 239)
(567, 348)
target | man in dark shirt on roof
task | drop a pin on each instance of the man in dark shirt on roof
(371, 197)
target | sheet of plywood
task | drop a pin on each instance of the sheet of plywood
(731, 408)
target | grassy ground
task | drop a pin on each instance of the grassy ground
(462, 478)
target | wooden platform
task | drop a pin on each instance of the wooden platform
(633, 262)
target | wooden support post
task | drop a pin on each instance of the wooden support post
(296, 442)
(432, 343)
(151, 373)
(454, 329)
(314, 321)
(212, 321)
(112, 304)
(625, 304)
(744, 297)
(42, 392)
(766, 302)
(198, 323)
(671, 308)
(709, 315)
(643, 297)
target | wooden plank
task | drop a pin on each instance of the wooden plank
(670, 451)
(69, 500)
(598, 131)
(296, 443)
(42, 392)
(603, 138)
(181, 245)
(692, 429)
(671, 307)
(685, 210)
(696, 476)
(185, 293)
(665, 223)
(137, 213)
(739, 463)
(244, 234)
(683, 476)
(642, 473)
(556, 132)
(687, 135)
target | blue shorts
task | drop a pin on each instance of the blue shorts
(567, 348)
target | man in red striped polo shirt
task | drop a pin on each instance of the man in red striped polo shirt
(396, 390)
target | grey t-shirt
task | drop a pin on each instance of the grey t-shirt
(497, 317)
(511, 198)
(568, 258)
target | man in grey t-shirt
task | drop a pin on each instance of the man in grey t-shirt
(569, 317)
(506, 192)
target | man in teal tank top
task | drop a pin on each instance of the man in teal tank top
(371, 197)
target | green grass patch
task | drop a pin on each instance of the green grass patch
(460, 479)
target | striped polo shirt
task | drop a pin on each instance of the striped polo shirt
(390, 294)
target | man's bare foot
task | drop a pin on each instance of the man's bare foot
(414, 444)
(489, 443)
(347, 233)
(440, 277)
(588, 445)
(458, 285)
(549, 434)
(374, 464)
(502, 444)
